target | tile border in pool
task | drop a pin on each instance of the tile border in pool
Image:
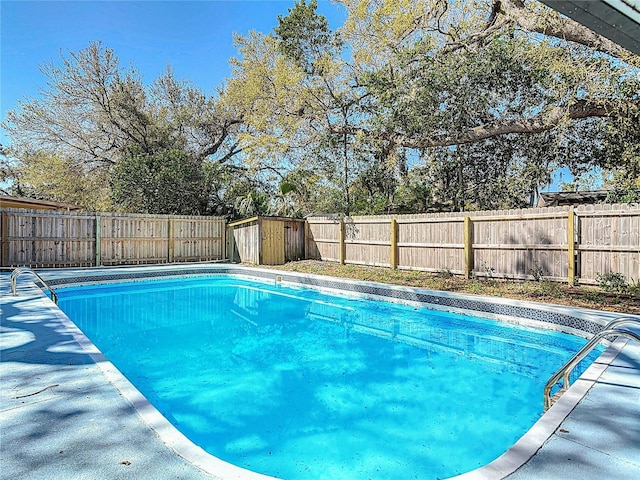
(575, 321)
(571, 320)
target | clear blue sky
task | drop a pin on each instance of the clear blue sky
(194, 37)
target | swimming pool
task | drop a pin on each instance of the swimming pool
(293, 383)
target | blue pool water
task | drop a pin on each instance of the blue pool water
(298, 384)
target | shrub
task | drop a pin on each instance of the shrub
(536, 272)
(612, 282)
(445, 273)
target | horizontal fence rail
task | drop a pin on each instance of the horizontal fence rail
(568, 244)
(42, 239)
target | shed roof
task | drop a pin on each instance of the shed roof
(618, 20)
(7, 201)
(555, 199)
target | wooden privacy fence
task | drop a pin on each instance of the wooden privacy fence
(38, 238)
(560, 243)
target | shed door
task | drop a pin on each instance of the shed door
(272, 242)
(293, 241)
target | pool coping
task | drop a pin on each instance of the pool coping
(509, 462)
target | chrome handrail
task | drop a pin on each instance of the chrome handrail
(19, 270)
(611, 329)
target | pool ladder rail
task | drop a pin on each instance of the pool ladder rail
(613, 328)
(14, 279)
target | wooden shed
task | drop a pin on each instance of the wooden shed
(267, 240)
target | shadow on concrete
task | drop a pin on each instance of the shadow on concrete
(60, 417)
(51, 342)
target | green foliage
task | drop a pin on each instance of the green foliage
(624, 191)
(550, 289)
(621, 156)
(168, 182)
(537, 272)
(415, 193)
(438, 96)
(445, 273)
(287, 187)
(612, 282)
(297, 101)
(594, 297)
(373, 191)
(427, 95)
(254, 203)
(634, 288)
(60, 179)
(624, 163)
(304, 35)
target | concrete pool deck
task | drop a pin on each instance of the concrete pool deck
(61, 416)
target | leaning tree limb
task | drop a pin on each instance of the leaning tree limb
(543, 122)
(537, 124)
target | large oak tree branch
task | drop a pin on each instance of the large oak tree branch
(494, 25)
(540, 123)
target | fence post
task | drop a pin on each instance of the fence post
(343, 247)
(571, 248)
(230, 244)
(306, 239)
(170, 242)
(223, 241)
(4, 252)
(468, 247)
(98, 242)
(394, 244)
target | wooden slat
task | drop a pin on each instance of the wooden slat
(430, 245)
(519, 246)
(610, 248)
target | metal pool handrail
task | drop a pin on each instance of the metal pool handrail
(613, 329)
(19, 270)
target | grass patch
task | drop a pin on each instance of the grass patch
(539, 291)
